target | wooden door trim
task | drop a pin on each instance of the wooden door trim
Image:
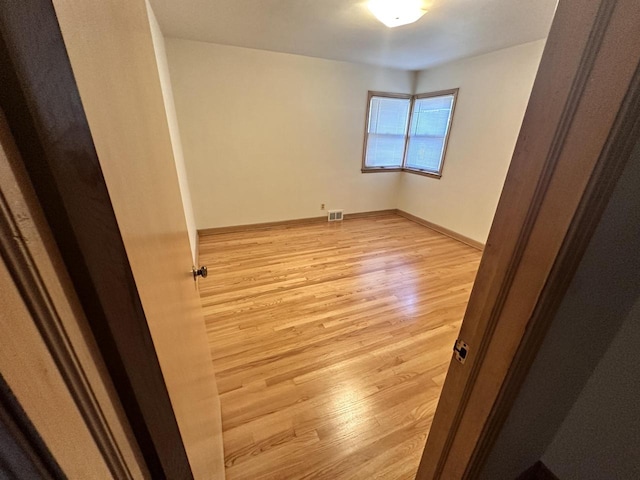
(15, 251)
(34, 458)
(45, 114)
(616, 154)
(524, 216)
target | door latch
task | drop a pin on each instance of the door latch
(200, 272)
(460, 350)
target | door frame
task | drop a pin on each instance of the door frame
(563, 171)
(59, 156)
(23, 453)
(27, 253)
(581, 124)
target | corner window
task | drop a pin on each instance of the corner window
(408, 132)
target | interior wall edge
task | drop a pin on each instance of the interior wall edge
(174, 130)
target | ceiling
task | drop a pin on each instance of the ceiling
(346, 29)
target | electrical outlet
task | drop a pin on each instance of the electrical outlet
(322, 206)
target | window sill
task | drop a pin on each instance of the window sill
(424, 173)
(381, 169)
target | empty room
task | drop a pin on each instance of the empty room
(330, 239)
(343, 172)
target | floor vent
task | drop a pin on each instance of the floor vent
(335, 215)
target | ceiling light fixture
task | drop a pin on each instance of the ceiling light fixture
(394, 13)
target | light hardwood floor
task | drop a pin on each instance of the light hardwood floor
(331, 342)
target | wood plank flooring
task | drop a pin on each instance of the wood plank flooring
(330, 343)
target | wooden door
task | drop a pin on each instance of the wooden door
(82, 94)
(111, 52)
(577, 134)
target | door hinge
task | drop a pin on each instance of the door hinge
(460, 350)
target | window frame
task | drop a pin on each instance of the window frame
(371, 94)
(412, 99)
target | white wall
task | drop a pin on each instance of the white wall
(494, 92)
(174, 131)
(270, 136)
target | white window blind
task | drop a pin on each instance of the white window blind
(386, 131)
(429, 127)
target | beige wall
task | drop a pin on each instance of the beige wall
(174, 131)
(494, 91)
(270, 136)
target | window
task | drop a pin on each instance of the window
(408, 133)
(387, 131)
